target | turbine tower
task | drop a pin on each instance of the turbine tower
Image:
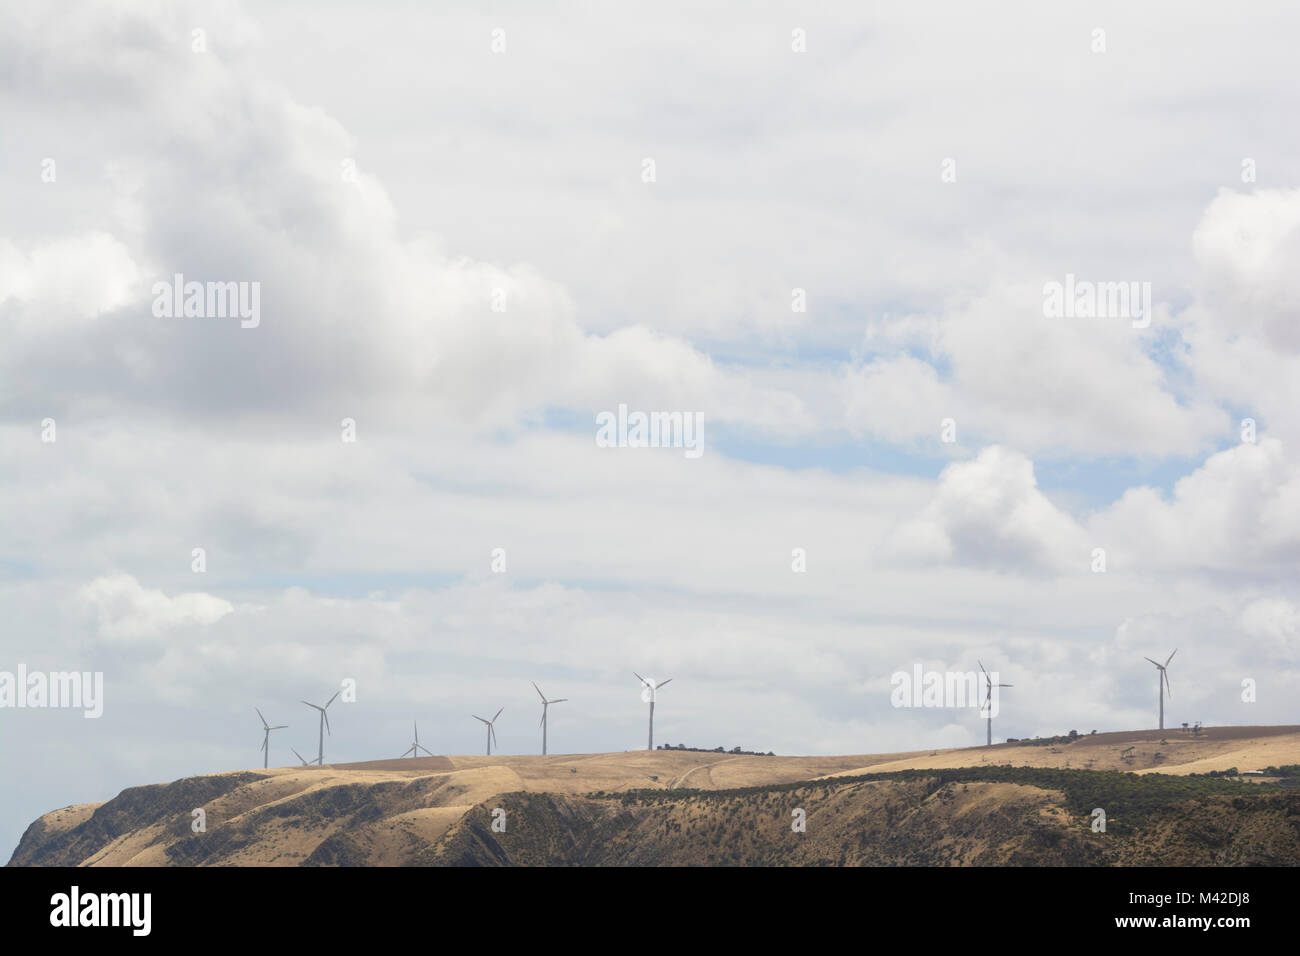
(417, 745)
(545, 704)
(1162, 684)
(988, 700)
(266, 738)
(491, 731)
(649, 694)
(324, 726)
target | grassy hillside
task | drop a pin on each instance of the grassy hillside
(995, 816)
(985, 815)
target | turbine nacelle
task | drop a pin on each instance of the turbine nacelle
(266, 737)
(417, 746)
(650, 686)
(988, 707)
(491, 729)
(545, 706)
(545, 702)
(324, 724)
(1163, 687)
(649, 692)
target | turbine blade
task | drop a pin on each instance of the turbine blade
(281, 727)
(259, 713)
(977, 661)
(1171, 657)
(543, 720)
(1169, 691)
(1157, 663)
(427, 750)
(1006, 685)
(331, 700)
(498, 714)
(327, 722)
(663, 683)
(640, 678)
(560, 700)
(539, 690)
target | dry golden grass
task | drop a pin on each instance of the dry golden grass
(1215, 748)
(446, 788)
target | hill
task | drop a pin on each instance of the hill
(1009, 804)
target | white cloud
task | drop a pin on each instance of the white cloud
(898, 399)
(1240, 510)
(1272, 626)
(128, 612)
(74, 278)
(230, 177)
(1247, 245)
(989, 513)
(520, 173)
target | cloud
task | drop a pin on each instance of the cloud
(897, 399)
(1242, 335)
(1240, 510)
(1272, 626)
(519, 175)
(1247, 244)
(227, 177)
(130, 613)
(72, 278)
(989, 513)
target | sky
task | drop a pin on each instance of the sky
(473, 228)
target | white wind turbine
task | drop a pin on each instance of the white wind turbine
(1162, 684)
(491, 731)
(648, 694)
(324, 726)
(417, 746)
(545, 704)
(988, 702)
(266, 738)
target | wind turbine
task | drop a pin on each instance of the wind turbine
(266, 738)
(305, 761)
(651, 687)
(545, 704)
(1162, 684)
(324, 726)
(988, 699)
(417, 746)
(491, 731)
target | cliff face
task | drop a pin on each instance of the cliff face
(876, 824)
(985, 817)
